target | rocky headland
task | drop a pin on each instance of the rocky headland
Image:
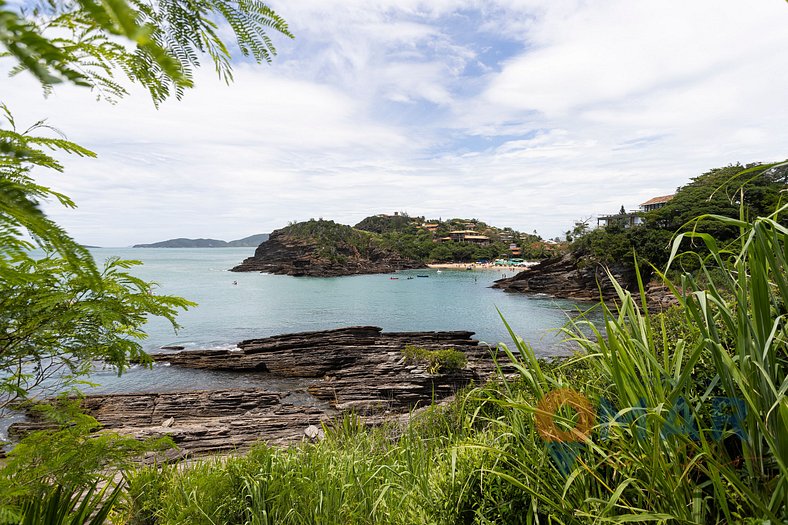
(581, 279)
(356, 370)
(570, 278)
(324, 249)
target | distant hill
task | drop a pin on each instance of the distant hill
(253, 241)
(247, 242)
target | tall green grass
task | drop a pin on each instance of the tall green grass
(667, 445)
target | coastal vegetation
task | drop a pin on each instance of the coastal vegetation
(419, 239)
(62, 312)
(435, 361)
(385, 244)
(679, 417)
(753, 190)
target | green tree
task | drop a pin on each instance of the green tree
(720, 192)
(59, 314)
(86, 42)
(754, 190)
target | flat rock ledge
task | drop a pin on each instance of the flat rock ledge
(356, 370)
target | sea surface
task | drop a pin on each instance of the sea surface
(261, 305)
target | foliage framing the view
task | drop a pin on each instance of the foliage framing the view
(74, 41)
(61, 312)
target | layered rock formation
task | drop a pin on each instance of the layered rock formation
(291, 252)
(570, 278)
(203, 421)
(567, 277)
(357, 370)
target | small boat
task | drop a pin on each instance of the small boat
(393, 278)
(409, 278)
(422, 276)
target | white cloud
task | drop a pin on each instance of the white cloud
(526, 113)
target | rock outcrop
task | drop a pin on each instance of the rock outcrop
(570, 278)
(203, 421)
(289, 252)
(359, 370)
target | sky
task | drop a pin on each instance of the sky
(530, 114)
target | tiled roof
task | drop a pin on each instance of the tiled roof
(657, 200)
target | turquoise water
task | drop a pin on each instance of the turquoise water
(261, 305)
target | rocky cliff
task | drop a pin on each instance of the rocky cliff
(324, 249)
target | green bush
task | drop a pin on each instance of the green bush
(444, 361)
(51, 471)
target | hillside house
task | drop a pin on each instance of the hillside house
(655, 203)
(467, 236)
(633, 218)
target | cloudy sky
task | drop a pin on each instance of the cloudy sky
(523, 113)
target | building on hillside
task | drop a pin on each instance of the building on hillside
(467, 236)
(515, 250)
(430, 227)
(506, 235)
(481, 240)
(655, 203)
(627, 220)
(459, 235)
(632, 218)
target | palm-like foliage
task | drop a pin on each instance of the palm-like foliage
(692, 426)
(20, 196)
(73, 41)
(750, 303)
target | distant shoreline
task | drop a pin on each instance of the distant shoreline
(475, 267)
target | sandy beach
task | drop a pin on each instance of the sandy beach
(476, 267)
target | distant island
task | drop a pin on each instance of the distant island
(386, 243)
(247, 242)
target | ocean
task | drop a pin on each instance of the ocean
(261, 305)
